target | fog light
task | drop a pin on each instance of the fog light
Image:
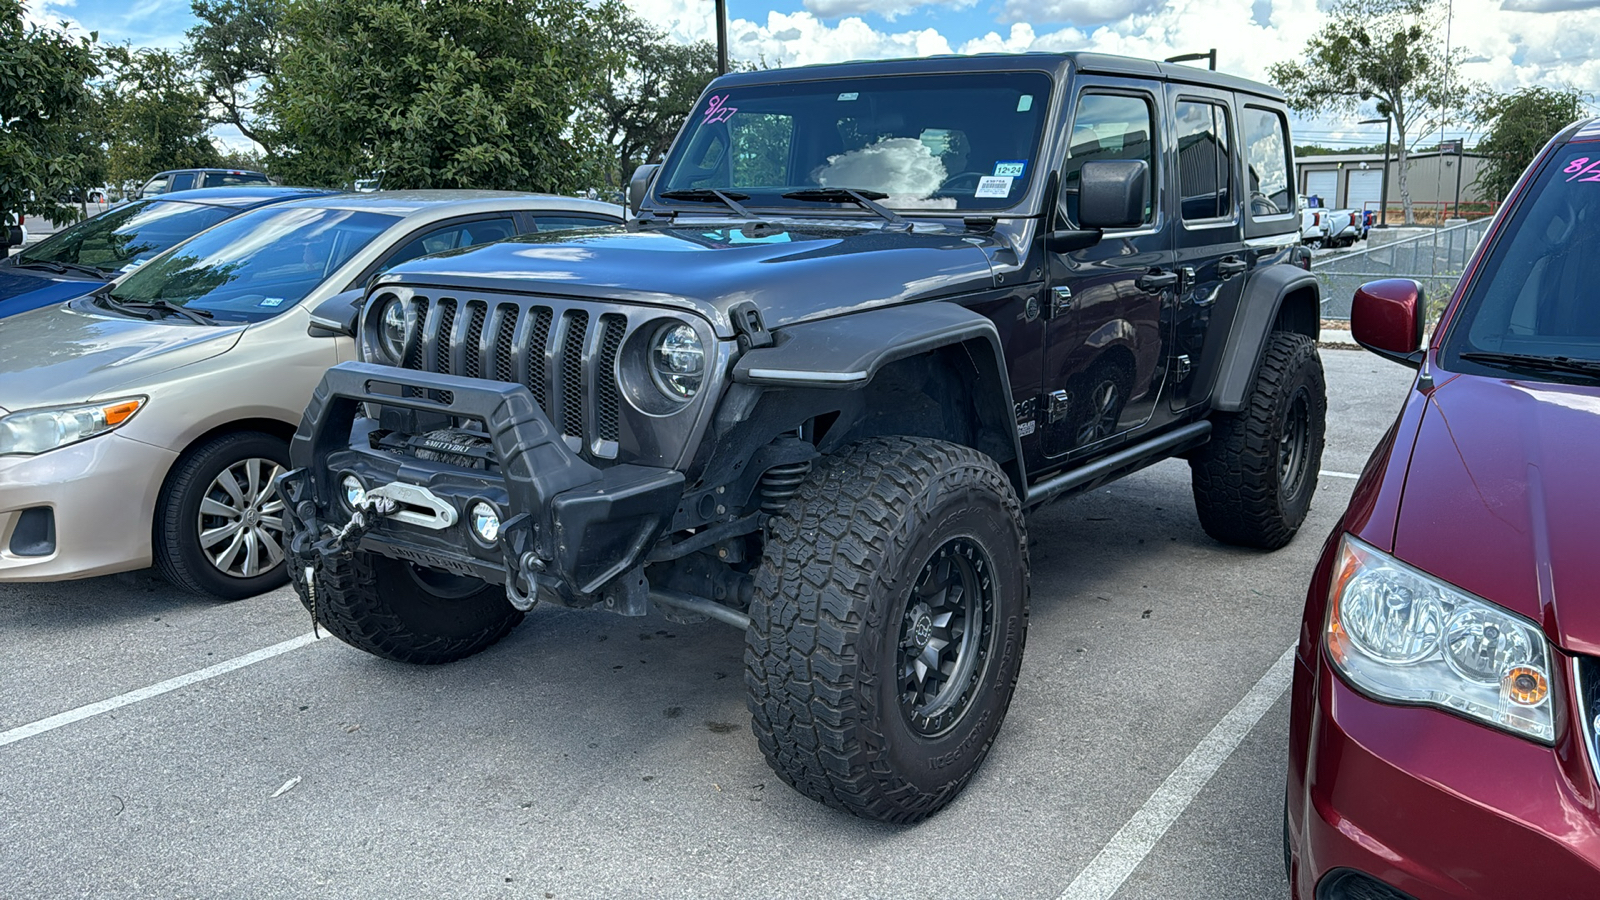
(355, 493)
(485, 522)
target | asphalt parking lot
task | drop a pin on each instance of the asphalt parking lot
(590, 755)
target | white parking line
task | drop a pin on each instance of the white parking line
(23, 732)
(1129, 846)
(1329, 474)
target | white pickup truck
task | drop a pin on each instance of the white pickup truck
(1313, 224)
(1344, 226)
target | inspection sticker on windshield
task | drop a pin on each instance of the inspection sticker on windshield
(271, 301)
(1011, 168)
(994, 186)
(849, 95)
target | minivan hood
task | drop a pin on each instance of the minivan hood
(25, 289)
(1501, 499)
(74, 352)
(791, 271)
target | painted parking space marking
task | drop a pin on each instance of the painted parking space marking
(1105, 874)
(1328, 474)
(23, 732)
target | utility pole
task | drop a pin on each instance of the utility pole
(1210, 55)
(722, 37)
(1388, 135)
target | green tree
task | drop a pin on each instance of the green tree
(1390, 51)
(44, 99)
(236, 51)
(152, 114)
(1517, 126)
(649, 85)
(438, 94)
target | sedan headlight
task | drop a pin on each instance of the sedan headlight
(1403, 635)
(677, 361)
(34, 431)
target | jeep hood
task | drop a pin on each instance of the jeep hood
(1501, 499)
(791, 272)
(75, 352)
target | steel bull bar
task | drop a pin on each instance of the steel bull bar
(576, 534)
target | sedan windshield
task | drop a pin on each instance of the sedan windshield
(126, 236)
(1533, 309)
(257, 265)
(923, 142)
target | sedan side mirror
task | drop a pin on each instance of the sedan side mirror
(1386, 317)
(639, 185)
(336, 316)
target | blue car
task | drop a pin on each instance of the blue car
(76, 260)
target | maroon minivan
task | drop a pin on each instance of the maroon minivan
(1447, 682)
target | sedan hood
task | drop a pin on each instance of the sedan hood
(791, 271)
(75, 352)
(25, 289)
(1502, 496)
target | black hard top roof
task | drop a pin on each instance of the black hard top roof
(1056, 63)
(242, 196)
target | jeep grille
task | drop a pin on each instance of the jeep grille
(564, 352)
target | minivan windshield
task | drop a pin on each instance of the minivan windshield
(257, 265)
(126, 235)
(917, 142)
(1533, 308)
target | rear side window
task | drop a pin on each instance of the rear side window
(1266, 154)
(1204, 162)
(1108, 127)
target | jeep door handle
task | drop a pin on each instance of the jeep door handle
(1155, 280)
(1229, 266)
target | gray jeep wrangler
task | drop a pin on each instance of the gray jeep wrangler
(868, 316)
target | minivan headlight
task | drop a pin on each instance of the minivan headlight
(1402, 635)
(34, 431)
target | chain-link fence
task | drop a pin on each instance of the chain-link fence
(1435, 260)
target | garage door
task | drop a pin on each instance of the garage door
(1364, 189)
(1324, 184)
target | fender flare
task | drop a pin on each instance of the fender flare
(846, 352)
(1258, 311)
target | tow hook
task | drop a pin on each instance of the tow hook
(308, 552)
(524, 568)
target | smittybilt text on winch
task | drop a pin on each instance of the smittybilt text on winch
(867, 316)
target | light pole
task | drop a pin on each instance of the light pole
(1210, 55)
(1383, 204)
(722, 37)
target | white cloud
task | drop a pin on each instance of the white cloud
(1075, 12)
(889, 9)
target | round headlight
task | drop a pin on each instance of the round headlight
(485, 522)
(1481, 646)
(393, 332)
(678, 361)
(1391, 617)
(355, 493)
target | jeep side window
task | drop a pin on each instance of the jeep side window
(1204, 164)
(1107, 127)
(1267, 160)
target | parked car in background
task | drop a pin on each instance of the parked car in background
(84, 256)
(1313, 223)
(1344, 227)
(1445, 716)
(146, 422)
(189, 179)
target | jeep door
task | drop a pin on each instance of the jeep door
(1108, 306)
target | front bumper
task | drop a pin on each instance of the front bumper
(568, 526)
(1434, 805)
(100, 493)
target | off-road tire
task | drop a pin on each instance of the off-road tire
(1241, 490)
(829, 621)
(175, 537)
(377, 604)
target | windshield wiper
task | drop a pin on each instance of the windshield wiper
(198, 316)
(729, 199)
(860, 198)
(61, 268)
(1532, 362)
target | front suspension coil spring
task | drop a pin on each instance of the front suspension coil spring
(780, 483)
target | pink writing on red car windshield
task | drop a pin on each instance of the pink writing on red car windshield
(717, 110)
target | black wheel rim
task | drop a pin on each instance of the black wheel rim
(943, 649)
(1295, 445)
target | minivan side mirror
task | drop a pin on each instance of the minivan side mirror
(1386, 317)
(639, 185)
(336, 316)
(1113, 193)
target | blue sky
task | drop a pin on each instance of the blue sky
(1511, 43)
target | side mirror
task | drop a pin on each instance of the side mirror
(336, 316)
(639, 185)
(1386, 317)
(1113, 193)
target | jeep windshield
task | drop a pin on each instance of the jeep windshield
(125, 236)
(928, 143)
(1533, 312)
(254, 266)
